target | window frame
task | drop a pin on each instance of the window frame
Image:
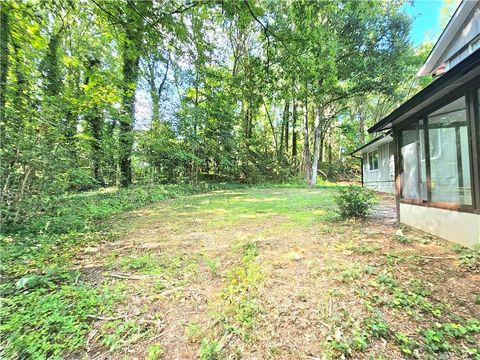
(471, 92)
(369, 167)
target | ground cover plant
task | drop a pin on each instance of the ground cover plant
(47, 307)
(268, 272)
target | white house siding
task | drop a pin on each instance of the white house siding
(467, 33)
(460, 227)
(382, 179)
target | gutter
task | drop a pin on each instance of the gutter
(361, 165)
(469, 64)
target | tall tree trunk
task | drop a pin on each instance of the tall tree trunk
(275, 141)
(4, 56)
(306, 146)
(316, 148)
(153, 93)
(95, 121)
(294, 136)
(52, 67)
(130, 73)
(361, 128)
(282, 131)
(321, 146)
(96, 129)
(287, 124)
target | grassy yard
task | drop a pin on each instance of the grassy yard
(247, 273)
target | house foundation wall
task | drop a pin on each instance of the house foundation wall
(384, 187)
(460, 227)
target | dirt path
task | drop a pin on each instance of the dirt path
(271, 273)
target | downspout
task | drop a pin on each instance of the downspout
(361, 165)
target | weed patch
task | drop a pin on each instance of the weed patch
(45, 318)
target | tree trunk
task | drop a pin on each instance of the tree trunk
(283, 131)
(361, 129)
(4, 53)
(130, 73)
(320, 148)
(52, 67)
(287, 124)
(95, 122)
(316, 148)
(153, 93)
(275, 142)
(294, 136)
(361, 125)
(96, 129)
(306, 146)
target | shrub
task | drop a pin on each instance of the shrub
(355, 201)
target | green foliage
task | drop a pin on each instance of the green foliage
(240, 292)
(212, 265)
(355, 201)
(193, 331)
(155, 352)
(210, 350)
(46, 316)
(55, 227)
(470, 258)
(47, 313)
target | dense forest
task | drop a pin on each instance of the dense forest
(101, 93)
(176, 183)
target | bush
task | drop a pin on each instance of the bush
(355, 201)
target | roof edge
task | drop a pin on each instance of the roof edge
(388, 133)
(465, 66)
(451, 29)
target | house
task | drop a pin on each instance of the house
(436, 138)
(377, 164)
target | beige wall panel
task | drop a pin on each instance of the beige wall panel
(459, 227)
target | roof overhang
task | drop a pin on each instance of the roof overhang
(375, 143)
(459, 75)
(452, 28)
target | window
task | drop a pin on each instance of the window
(373, 160)
(475, 45)
(435, 146)
(449, 158)
(413, 170)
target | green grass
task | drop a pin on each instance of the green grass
(234, 242)
(52, 230)
(46, 312)
(299, 206)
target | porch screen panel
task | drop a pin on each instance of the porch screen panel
(413, 174)
(449, 155)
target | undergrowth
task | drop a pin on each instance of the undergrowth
(46, 309)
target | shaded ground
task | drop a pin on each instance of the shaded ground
(273, 274)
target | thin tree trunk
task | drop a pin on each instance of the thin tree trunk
(130, 72)
(294, 136)
(306, 146)
(287, 124)
(153, 93)
(361, 125)
(96, 128)
(4, 57)
(52, 67)
(283, 131)
(94, 121)
(272, 127)
(316, 148)
(320, 148)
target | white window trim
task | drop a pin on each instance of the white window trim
(368, 161)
